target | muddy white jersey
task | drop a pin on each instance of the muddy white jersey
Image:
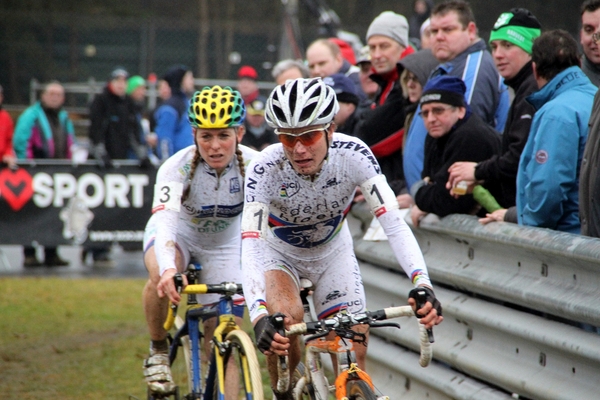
(209, 217)
(302, 217)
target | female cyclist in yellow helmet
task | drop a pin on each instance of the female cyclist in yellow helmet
(198, 201)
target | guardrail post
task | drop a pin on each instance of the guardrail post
(92, 91)
(152, 94)
(33, 86)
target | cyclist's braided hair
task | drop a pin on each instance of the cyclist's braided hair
(195, 162)
(240, 160)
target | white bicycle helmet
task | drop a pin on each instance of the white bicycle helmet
(301, 102)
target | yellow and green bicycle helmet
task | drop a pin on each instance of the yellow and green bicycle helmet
(217, 108)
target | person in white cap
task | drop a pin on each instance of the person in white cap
(382, 127)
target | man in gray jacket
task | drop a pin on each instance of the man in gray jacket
(463, 54)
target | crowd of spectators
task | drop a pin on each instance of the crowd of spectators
(439, 106)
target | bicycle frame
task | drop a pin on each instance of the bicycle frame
(344, 352)
(225, 325)
(221, 347)
(342, 349)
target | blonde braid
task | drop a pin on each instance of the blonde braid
(195, 161)
(240, 160)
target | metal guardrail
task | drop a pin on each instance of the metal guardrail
(548, 271)
(480, 274)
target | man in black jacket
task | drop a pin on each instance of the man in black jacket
(114, 131)
(511, 40)
(114, 134)
(453, 133)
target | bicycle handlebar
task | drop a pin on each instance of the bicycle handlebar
(224, 288)
(342, 322)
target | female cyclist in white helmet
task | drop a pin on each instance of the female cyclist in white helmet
(293, 226)
(197, 208)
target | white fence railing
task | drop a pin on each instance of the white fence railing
(92, 87)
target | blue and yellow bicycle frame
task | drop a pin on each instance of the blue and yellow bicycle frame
(227, 336)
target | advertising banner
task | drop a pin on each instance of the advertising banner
(54, 202)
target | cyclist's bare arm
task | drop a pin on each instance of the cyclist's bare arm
(166, 286)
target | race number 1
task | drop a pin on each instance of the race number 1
(167, 196)
(378, 195)
(254, 220)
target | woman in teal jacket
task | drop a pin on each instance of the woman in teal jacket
(44, 130)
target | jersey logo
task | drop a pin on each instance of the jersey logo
(331, 296)
(219, 210)
(306, 236)
(289, 189)
(234, 185)
(332, 182)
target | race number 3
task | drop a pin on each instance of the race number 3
(167, 196)
(254, 220)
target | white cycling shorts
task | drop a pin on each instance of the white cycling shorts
(219, 263)
(336, 277)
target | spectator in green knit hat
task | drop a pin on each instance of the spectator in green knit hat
(518, 26)
(136, 85)
(511, 41)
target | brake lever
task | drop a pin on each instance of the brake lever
(278, 324)
(178, 281)
(421, 299)
(316, 336)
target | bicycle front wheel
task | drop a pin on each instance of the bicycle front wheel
(359, 390)
(241, 368)
(302, 390)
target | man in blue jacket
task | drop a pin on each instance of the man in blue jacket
(548, 176)
(172, 125)
(463, 54)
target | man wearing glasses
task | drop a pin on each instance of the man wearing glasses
(297, 196)
(589, 38)
(454, 133)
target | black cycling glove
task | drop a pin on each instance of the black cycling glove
(265, 330)
(423, 294)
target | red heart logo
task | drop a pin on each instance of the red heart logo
(16, 187)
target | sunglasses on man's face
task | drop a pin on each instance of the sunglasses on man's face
(307, 138)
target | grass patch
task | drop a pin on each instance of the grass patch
(63, 339)
(71, 338)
